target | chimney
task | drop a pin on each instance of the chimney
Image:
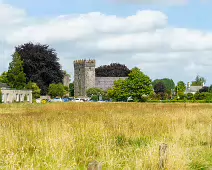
(188, 85)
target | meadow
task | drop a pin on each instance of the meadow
(118, 135)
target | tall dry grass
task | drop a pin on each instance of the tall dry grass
(119, 135)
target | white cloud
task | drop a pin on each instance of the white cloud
(145, 40)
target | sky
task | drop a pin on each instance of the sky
(164, 38)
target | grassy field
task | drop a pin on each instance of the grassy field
(119, 135)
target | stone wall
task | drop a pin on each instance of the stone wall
(84, 76)
(106, 82)
(10, 96)
(66, 80)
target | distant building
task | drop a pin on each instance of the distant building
(85, 78)
(12, 95)
(192, 89)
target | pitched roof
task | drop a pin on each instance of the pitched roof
(193, 89)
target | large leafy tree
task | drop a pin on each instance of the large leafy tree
(40, 65)
(57, 90)
(160, 88)
(3, 78)
(136, 86)
(204, 89)
(199, 81)
(112, 70)
(181, 87)
(16, 77)
(35, 89)
(71, 89)
(168, 83)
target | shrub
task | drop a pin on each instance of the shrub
(0, 96)
(189, 96)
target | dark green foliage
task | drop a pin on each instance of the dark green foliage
(198, 81)
(15, 76)
(160, 88)
(95, 97)
(112, 70)
(168, 83)
(136, 86)
(56, 90)
(203, 96)
(190, 96)
(71, 89)
(40, 65)
(204, 89)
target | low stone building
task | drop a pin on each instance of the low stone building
(192, 89)
(12, 95)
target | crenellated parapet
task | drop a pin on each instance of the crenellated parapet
(85, 62)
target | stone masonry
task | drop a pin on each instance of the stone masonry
(10, 95)
(84, 78)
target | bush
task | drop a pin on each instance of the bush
(190, 96)
(0, 96)
(57, 90)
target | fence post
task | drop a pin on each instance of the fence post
(94, 166)
(163, 155)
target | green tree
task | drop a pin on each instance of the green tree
(204, 89)
(181, 87)
(136, 85)
(16, 76)
(210, 89)
(199, 81)
(3, 78)
(160, 90)
(119, 92)
(35, 89)
(0, 96)
(71, 89)
(56, 90)
(159, 87)
(93, 92)
(112, 70)
(41, 65)
(168, 83)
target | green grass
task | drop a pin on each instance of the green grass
(119, 135)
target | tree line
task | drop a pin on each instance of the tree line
(37, 67)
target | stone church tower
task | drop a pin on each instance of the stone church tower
(84, 76)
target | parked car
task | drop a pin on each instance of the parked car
(68, 99)
(57, 99)
(78, 100)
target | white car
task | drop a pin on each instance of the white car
(77, 100)
(57, 100)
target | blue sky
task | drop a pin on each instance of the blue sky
(195, 14)
(159, 38)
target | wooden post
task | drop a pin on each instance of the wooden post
(94, 166)
(163, 155)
